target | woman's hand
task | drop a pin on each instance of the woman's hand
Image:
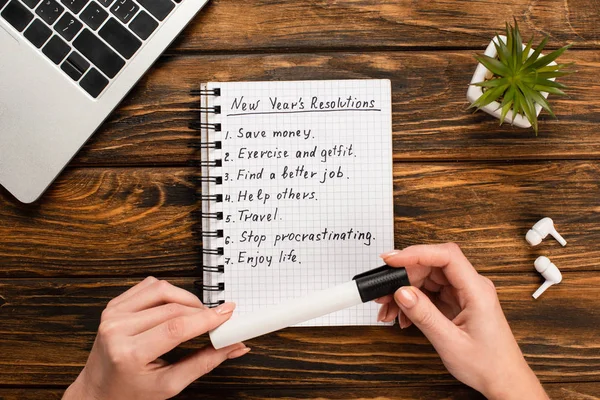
(459, 312)
(137, 328)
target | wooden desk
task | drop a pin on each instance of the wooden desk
(124, 208)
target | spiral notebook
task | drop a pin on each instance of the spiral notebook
(296, 189)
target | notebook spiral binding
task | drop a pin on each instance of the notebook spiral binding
(209, 220)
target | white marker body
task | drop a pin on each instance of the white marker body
(291, 312)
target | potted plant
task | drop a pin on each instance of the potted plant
(512, 80)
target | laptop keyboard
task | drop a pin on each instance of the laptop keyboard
(90, 40)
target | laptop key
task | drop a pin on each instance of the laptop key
(159, 8)
(78, 61)
(17, 15)
(67, 26)
(124, 10)
(75, 5)
(31, 3)
(3, 3)
(120, 38)
(71, 71)
(106, 3)
(56, 49)
(49, 11)
(93, 15)
(37, 33)
(95, 50)
(93, 82)
(75, 66)
(143, 25)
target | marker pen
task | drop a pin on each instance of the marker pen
(362, 288)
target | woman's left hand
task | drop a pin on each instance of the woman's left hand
(137, 328)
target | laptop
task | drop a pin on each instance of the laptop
(64, 66)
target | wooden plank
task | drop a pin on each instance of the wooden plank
(47, 327)
(430, 116)
(488, 209)
(103, 222)
(258, 25)
(563, 391)
(138, 221)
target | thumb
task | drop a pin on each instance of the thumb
(425, 315)
(178, 376)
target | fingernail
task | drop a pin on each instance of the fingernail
(390, 315)
(225, 308)
(407, 297)
(389, 254)
(238, 353)
(382, 312)
(402, 321)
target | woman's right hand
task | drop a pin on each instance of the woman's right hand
(459, 312)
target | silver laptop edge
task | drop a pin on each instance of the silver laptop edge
(45, 117)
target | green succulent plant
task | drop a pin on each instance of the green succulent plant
(519, 77)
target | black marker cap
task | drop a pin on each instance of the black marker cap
(380, 282)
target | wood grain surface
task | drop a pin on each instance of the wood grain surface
(106, 222)
(430, 116)
(125, 221)
(572, 391)
(126, 207)
(265, 25)
(47, 327)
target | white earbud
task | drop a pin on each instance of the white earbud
(549, 271)
(540, 230)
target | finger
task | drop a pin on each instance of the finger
(382, 312)
(437, 275)
(384, 299)
(147, 319)
(430, 285)
(415, 275)
(403, 320)
(392, 312)
(488, 281)
(158, 293)
(448, 296)
(132, 291)
(424, 314)
(163, 338)
(181, 374)
(388, 312)
(420, 259)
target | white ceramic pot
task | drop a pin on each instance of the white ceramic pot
(475, 92)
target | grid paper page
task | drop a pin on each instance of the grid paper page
(307, 186)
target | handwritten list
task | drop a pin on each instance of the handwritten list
(307, 188)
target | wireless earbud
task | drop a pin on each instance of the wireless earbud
(540, 230)
(549, 271)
